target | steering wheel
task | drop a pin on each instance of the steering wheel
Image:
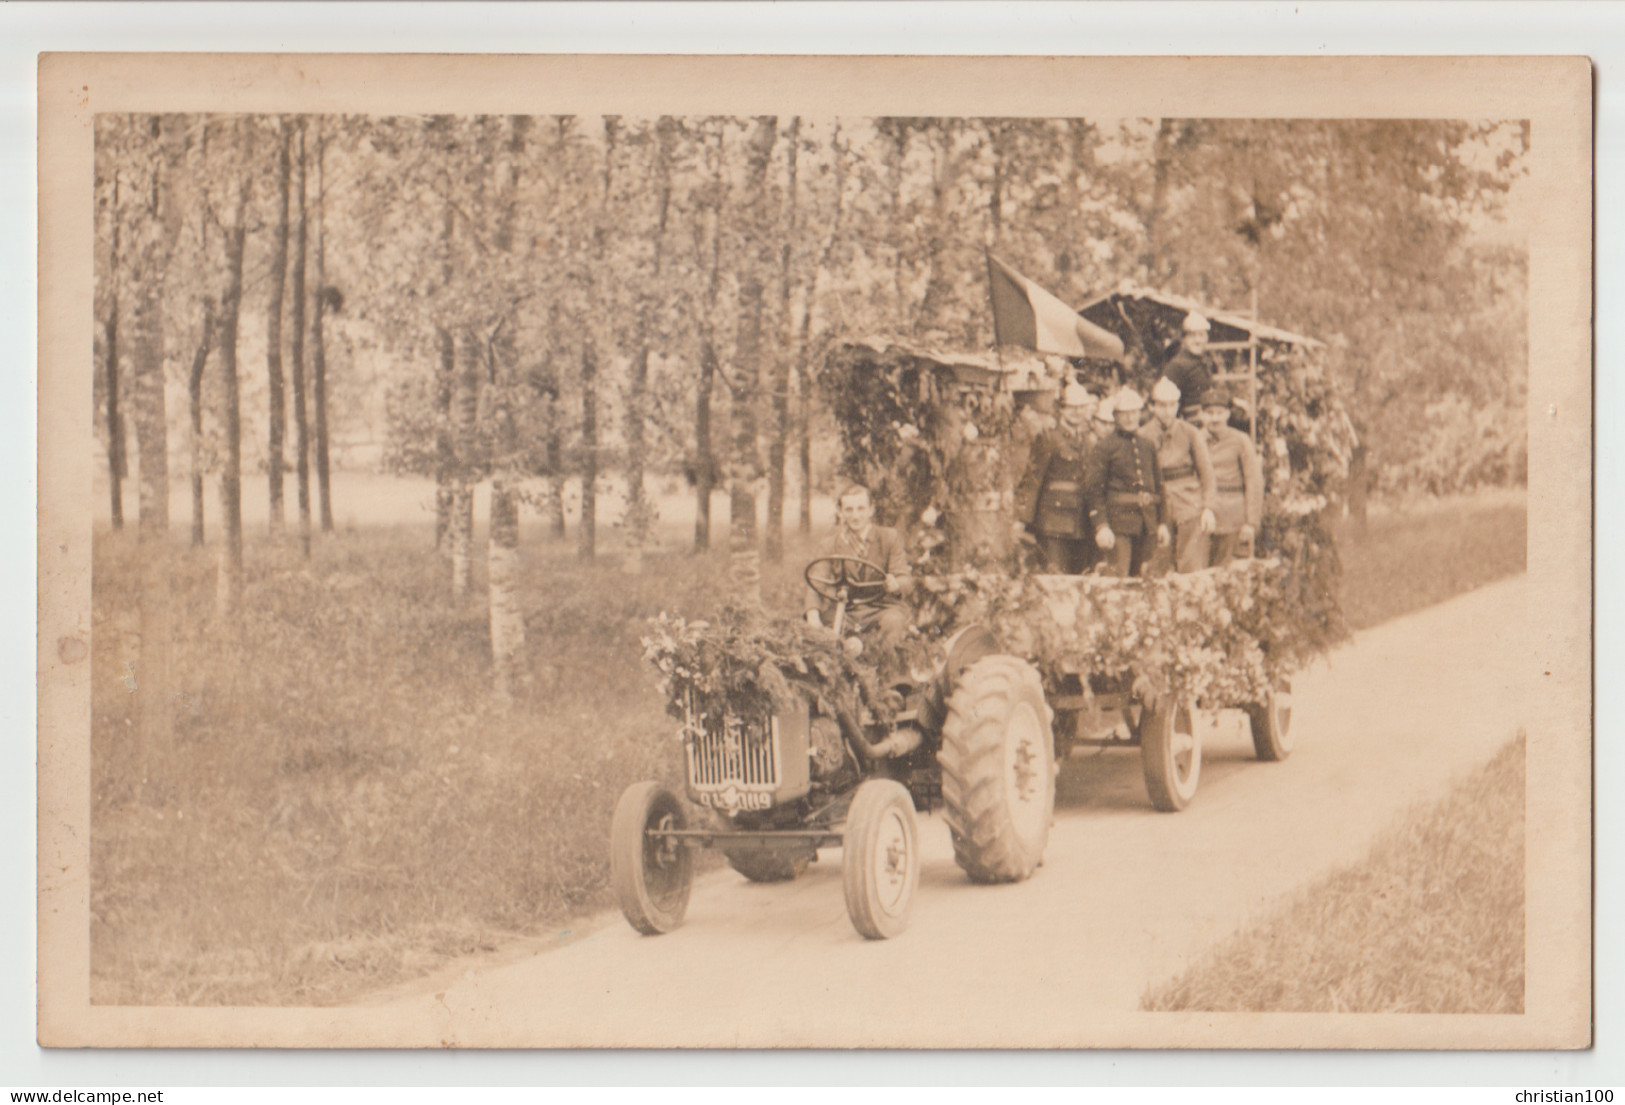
(828, 576)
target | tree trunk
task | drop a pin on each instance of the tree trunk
(745, 558)
(779, 379)
(1359, 488)
(638, 509)
(276, 399)
(445, 460)
(115, 423)
(296, 329)
(464, 406)
(318, 347)
(1161, 163)
(507, 617)
(804, 435)
(229, 596)
(194, 391)
(704, 461)
(803, 348)
(502, 556)
(586, 531)
(154, 700)
(554, 507)
(938, 284)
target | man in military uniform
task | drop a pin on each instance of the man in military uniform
(1123, 488)
(1049, 498)
(1238, 480)
(1188, 367)
(856, 535)
(1187, 476)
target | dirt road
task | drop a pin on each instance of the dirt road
(1126, 895)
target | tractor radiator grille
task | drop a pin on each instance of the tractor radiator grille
(733, 751)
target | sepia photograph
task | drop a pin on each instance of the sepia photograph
(553, 554)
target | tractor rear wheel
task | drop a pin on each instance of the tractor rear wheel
(880, 858)
(998, 769)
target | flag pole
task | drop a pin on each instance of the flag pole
(998, 350)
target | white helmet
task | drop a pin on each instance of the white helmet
(1166, 391)
(1076, 395)
(1129, 400)
(1196, 324)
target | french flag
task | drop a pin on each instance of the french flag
(1026, 315)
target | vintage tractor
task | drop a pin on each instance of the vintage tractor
(972, 735)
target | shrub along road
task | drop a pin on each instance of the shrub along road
(1125, 899)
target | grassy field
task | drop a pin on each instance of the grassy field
(1432, 921)
(343, 808)
(1408, 558)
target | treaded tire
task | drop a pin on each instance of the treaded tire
(998, 769)
(1272, 724)
(767, 865)
(880, 858)
(652, 878)
(1170, 754)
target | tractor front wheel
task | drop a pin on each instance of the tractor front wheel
(998, 769)
(652, 873)
(880, 861)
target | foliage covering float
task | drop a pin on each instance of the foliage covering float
(746, 663)
(926, 445)
(1224, 636)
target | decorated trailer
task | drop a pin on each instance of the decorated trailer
(797, 738)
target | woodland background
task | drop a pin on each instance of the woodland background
(323, 752)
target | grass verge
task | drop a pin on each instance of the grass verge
(1431, 921)
(1407, 559)
(343, 807)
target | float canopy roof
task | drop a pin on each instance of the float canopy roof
(1227, 326)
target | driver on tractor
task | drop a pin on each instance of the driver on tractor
(868, 565)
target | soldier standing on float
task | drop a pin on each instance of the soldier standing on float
(1187, 476)
(1124, 490)
(1188, 367)
(1050, 499)
(1238, 481)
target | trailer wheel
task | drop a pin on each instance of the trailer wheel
(880, 861)
(767, 864)
(652, 874)
(1272, 724)
(998, 770)
(1171, 755)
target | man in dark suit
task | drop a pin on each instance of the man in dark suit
(857, 536)
(1188, 367)
(1049, 499)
